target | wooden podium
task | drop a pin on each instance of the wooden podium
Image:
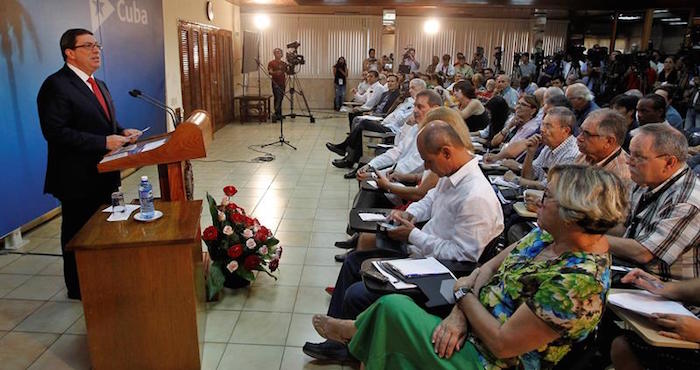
(169, 152)
(142, 287)
(142, 284)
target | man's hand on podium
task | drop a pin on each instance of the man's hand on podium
(132, 134)
(116, 141)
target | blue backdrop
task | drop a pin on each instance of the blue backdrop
(131, 32)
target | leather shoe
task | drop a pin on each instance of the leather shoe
(348, 243)
(351, 175)
(342, 163)
(340, 257)
(328, 351)
(335, 149)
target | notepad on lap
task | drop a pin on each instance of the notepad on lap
(414, 267)
(646, 304)
(366, 216)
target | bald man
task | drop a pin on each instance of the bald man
(508, 93)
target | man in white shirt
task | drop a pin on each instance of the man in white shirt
(370, 98)
(465, 216)
(446, 70)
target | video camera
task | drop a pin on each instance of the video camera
(293, 57)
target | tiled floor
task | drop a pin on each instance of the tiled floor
(299, 195)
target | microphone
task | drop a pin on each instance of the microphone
(153, 101)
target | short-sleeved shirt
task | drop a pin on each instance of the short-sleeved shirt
(277, 68)
(565, 153)
(568, 293)
(669, 227)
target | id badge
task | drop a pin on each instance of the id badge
(340, 81)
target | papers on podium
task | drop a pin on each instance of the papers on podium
(646, 304)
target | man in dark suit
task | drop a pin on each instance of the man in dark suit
(78, 121)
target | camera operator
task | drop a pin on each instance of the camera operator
(551, 70)
(527, 69)
(277, 69)
(479, 62)
(497, 55)
(613, 76)
(371, 63)
(409, 59)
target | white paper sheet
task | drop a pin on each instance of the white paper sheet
(153, 144)
(365, 216)
(372, 183)
(113, 157)
(646, 303)
(387, 146)
(412, 267)
(121, 216)
(498, 180)
(395, 282)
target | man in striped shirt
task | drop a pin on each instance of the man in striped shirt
(599, 142)
(663, 227)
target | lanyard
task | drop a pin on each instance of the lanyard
(611, 158)
(644, 202)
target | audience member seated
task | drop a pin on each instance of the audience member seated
(630, 352)
(626, 105)
(361, 88)
(445, 70)
(431, 68)
(522, 125)
(526, 86)
(463, 68)
(503, 89)
(582, 101)
(470, 108)
(525, 308)
(651, 108)
(462, 211)
(663, 227)
(405, 152)
(369, 98)
(672, 116)
(512, 154)
(599, 142)
(498, 115)
(351, 147)
(486, 93)
(559, 148)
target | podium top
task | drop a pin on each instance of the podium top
(179, 224)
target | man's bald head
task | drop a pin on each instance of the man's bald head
(438, 134)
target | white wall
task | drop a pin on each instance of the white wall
(226, 16)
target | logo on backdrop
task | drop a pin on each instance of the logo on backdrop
(101, 10)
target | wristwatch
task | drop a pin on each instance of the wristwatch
(462, 292)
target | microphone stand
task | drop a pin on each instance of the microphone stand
(282, 141)
(149, 99)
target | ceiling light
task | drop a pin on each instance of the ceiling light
(629, 17)
(261, 21)
(678, 23)
(431, 26)
(671, 19)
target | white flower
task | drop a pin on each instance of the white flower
(222, 216)
(232, 266)
(228, 230)
(250, 243)
(224, 201)
(247, 233)
(256, 228)
(263, 250)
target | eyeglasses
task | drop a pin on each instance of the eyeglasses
(89, 46)
(588, 135)
(638, 158)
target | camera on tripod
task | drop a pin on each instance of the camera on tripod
(516, 58)
(293, 57)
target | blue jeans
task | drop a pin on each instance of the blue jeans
(339, 96)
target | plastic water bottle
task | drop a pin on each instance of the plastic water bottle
(146, 198)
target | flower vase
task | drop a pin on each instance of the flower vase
(233, 281)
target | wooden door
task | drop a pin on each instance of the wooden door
(206, 71)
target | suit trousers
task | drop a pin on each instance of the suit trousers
(75, 213)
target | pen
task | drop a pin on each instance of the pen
(651, 281)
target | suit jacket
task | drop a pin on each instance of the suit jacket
(76, 129)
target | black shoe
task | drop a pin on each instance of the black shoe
(340, 257)
(342, 163)
(74, 295)
(351, 242)
(328, 351)
(335, 149)
(351, 175)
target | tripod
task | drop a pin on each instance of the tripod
(293, 82)
(282, 140)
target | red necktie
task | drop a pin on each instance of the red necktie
(98, 94)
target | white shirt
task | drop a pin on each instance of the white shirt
(83, 76)
(464, 214)
(395, 120)
(448, 70)
(371, 97)
(405, 153)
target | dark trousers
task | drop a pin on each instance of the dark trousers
(354, 140)
(351, 117)
(75, 213)
(278, 93)
(349, 275)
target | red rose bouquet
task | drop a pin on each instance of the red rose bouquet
(237, 244)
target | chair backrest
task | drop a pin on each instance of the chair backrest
(492, 249)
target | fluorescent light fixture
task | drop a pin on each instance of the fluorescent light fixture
(431, 26)
(677, 19)
(261, 21)
(658, 11)
(629, 17)
(678, 24)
